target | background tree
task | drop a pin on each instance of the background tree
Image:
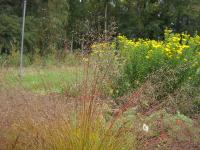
(53, 24)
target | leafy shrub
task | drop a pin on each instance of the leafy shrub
(13, 59)
(144, 57)
(172, 89)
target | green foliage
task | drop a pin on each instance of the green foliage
(13, 59)
(9, 32)
(144, 57)
(147, 18)
(55, 23)
(45, 25)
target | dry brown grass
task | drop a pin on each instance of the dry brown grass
(19, 108)
(58, 121)
(54, 121)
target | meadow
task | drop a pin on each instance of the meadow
(124, 95)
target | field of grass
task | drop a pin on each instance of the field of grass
(38, 109)
(28, 118)
(46, 80)
(145, 96)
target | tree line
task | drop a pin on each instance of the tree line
(74, 24)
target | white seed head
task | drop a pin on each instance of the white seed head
(145, 127)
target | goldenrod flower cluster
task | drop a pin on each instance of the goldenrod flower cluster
(176, 47)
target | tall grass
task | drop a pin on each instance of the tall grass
(63, 124)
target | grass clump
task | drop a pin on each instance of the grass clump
(84, 133)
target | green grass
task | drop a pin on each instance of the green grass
(45, 80)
